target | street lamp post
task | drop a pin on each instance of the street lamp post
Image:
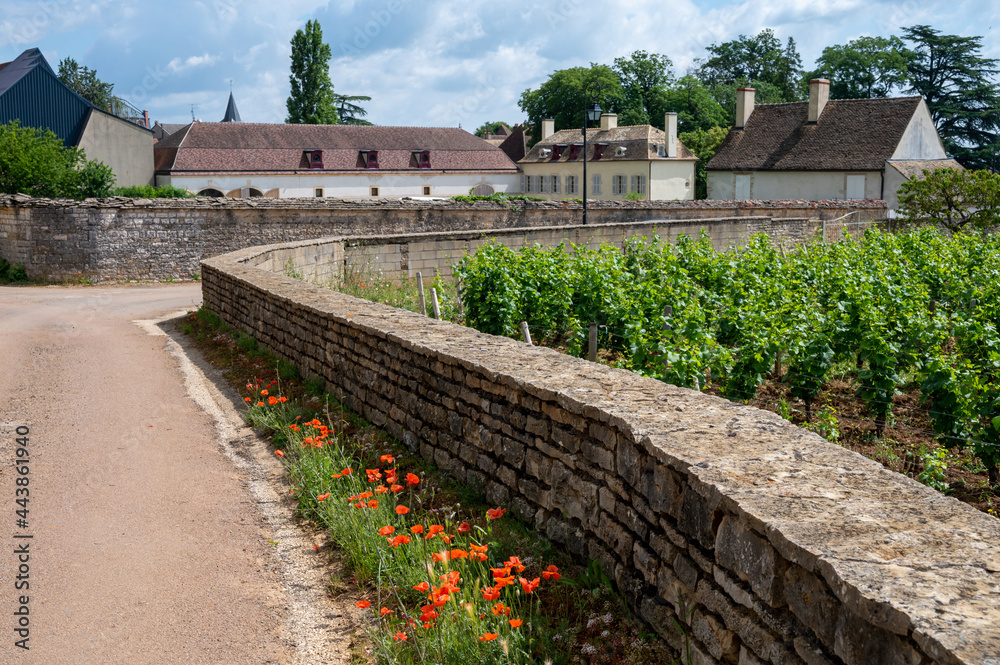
(592, 113)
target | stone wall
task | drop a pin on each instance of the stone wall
(765, 543)
(143, 239)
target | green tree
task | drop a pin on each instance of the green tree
(865, 67)
(84, 82)
(34, 161)
(704, 143)
(490, 128)
(695, 106)
(311, 101)
(349, 112)
(725, 96)
(961, 95)
(644, 79)
(563, 97)
(956, 200)
(760, 58)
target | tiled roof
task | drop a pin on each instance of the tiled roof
(916, 168)
(851, 135)
(252, 147)
(639, 141)
(515, 145)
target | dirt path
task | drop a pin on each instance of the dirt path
(158, 529)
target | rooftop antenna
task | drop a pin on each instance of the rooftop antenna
(192, 114)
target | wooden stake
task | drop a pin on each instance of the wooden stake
(420, 290)
(526, 333)
(434, 301)
(592, 352)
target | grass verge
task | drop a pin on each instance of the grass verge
(444, 577)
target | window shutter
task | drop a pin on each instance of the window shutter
(635, 183)
(524, 184)
(555, 181)
(597, 184)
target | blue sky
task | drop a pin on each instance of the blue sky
(426, 63)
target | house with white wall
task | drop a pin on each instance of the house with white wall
(824, 149)
(620, 160)
(242, 160)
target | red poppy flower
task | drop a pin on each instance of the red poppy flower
(388, 459)
(402, 510)
(478, 548)
(282, 399)
(451, 577)
(381, 489)
(384, 611)
(397, 488)
(373, 504)
(272, 400)
(422, 587)
(401, 637)
(418, 528)
(499, 609)
(315, 423)
(363, 604)
(323, 497)
(279, 453)
(529, 586)
(401, 539)
(348, 471)
(387, 530)
(515, 623)
(490, 593)
(411, 479)
(263, 392)
(495, 513)
(488, 637)
(258, 404)
(464, 527)
(551, 573)
(458, 554)
(246, 399)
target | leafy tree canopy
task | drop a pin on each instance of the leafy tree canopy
(957, 200)
(311, 100)
(704, 143)
(758, 58)
(84, 82)
(490, 128)
(644, 79)
(349, 112)
(962, 97)
(34, 161)
(725, 96)
(695, 106)
(864, 67)
(563, 97)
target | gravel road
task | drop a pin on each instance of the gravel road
(158, 528)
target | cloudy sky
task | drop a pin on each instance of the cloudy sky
(423, 62)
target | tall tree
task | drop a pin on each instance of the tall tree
(757, 58)
(962, 97)
(563, 97)
(84, 82)
(644, 78)
(725, 95)
(695, 106)
(349, 112)
(865, 67)
(311, 100)
(490, 128)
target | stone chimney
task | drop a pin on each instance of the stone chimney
(819, 95)
(548, 128)
(744, 106)
(145, 119)
(670, 129)
(609, 121)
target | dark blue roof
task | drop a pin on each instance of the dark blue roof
(232, 114)
(31, 93)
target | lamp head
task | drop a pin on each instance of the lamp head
(594, 112)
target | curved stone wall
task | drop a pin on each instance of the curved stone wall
(765, 543)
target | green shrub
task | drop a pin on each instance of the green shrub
(34, 161)
(12, 273)
(150, 192)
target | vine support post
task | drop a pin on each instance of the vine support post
(526, 333)
(592, 350)
(420, 291)
(434, 302)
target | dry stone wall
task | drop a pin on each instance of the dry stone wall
(762, 541)
(155, 239)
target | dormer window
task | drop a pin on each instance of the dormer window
(599, 150)
(423, 158)
(574, 151)
(314, 158)
(620, 151)
(557, 151)
(661, 150)
(370, 158)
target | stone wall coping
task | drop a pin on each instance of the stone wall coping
(902, 556)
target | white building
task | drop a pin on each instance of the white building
(620, 160)
(238, 159)
(824, 149)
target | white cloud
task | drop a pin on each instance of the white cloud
(192, 62)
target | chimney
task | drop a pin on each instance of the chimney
(548, 128)
(744, 106)
(609, 121)
(670, 127)
(145, 119)
(819, 95)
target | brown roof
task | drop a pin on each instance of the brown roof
(515, 145)
(639, 141)
(851, 135)
(252, 147)
(916, 169)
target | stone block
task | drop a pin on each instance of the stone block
(812, 603)
(687, 571)
(810, 652)
(698, 517)
(752, 558)
(857, 642)
(720, 642)
(646, 562)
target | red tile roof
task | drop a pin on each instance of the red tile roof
(251, 147)
(851, 135)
